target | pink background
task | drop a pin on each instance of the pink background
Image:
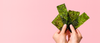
(29, 21)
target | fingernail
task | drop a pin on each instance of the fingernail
(70, 25)
(64, 25)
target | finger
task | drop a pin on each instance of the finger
(69, 37)
(78, 32)
(72, 29)
(63, 28)
(57, 32)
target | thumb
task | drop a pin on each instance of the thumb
(63, 28)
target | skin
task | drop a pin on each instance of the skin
(74, 37)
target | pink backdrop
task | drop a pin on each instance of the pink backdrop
(29, 21)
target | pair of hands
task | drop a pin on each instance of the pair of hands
(74, 37)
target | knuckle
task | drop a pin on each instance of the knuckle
(53, 36)
(81, 37)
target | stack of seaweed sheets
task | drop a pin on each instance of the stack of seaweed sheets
(69, 17)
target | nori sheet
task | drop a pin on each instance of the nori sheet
(69, 17)
(58, 22)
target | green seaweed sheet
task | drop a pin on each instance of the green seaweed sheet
(81, 19)
(58, 22)
(69, 17)
(63, 13)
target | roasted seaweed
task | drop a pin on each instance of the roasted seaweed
(69, 17)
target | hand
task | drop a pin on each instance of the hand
(60, 36)
(75, 36)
